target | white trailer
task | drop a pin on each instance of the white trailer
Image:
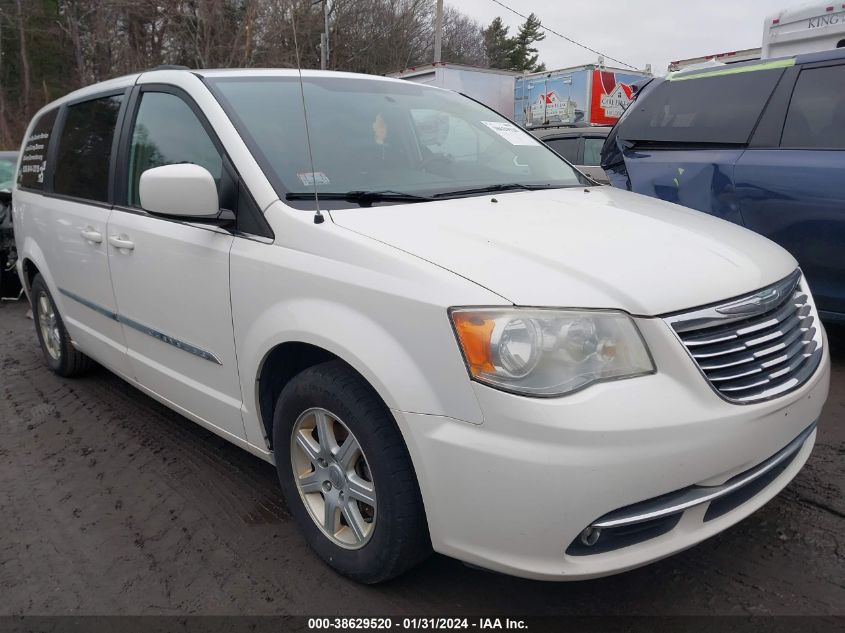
(804, 29)
(493, 88)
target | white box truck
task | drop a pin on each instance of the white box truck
(804, 29)
(492, 87)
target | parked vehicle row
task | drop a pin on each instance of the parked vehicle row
(761, 144)
(441, 333)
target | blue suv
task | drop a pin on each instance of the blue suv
(761, 144)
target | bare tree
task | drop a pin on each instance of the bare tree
(49, 47)
(26, 83)
(5, 131)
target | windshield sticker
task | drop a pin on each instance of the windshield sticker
(511, 133)
(311, 178)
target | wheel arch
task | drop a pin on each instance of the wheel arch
(33, 262)
(278, 367)
(30, 269)
(287, 359)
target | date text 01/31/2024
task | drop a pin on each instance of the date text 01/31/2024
(412, 624)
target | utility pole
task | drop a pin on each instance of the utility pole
(324, 38)
(438, 31)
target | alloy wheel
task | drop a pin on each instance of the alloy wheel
(333, 478)
(49, 324)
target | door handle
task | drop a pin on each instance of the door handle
(122, 242)
(92, 235)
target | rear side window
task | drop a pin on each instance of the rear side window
(82, 162)
(816, 116)
(592, 150)
(566, 147)
(721, 109)
(34, 158)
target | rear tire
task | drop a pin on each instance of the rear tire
(61, 356)
(379, 529)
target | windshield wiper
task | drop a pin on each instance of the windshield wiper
(361, 197)
(500, 187)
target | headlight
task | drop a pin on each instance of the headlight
(549, 352)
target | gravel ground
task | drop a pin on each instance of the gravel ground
(112, 504)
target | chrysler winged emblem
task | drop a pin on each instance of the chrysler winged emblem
(756, 303)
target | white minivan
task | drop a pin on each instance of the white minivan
(442, 334)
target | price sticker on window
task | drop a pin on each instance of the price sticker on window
(511, 133)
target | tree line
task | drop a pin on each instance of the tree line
(51, 47)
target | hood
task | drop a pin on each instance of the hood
(597, 247)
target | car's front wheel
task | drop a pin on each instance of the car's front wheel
(346, 474)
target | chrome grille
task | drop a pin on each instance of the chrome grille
(758, 346)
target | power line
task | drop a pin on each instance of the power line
(568, 39)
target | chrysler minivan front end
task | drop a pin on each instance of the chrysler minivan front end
(698, 426)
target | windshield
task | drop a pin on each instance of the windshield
(375, 135)
(7, 172)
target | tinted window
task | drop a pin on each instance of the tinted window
(592, 150)
(34, 159)
(82, 163)
(816, 117)
(722, 109)
(566, 147)
(167, 132)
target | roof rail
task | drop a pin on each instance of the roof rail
(168, 67)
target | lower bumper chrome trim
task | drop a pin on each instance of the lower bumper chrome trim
(675, 502)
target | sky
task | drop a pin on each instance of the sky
(638, 32)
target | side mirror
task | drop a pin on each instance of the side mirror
(183, 190)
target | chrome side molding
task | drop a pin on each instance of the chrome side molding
(145, 329)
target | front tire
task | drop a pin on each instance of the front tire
(346, 475)
(61, 356)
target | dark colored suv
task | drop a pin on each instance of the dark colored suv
(761, 144)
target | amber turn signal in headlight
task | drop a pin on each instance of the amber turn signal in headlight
(549, 352)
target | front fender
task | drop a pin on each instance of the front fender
(381, 310)
(435, 384)
(365, 344)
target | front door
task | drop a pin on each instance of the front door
(171, 278)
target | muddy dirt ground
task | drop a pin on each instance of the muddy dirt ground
(112, 504)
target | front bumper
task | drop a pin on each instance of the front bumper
(513, 493)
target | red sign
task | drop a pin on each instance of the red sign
(609, 99)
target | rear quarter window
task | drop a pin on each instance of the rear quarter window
(816, 117)
(82, 162)
(34, 152)
(714, 109)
